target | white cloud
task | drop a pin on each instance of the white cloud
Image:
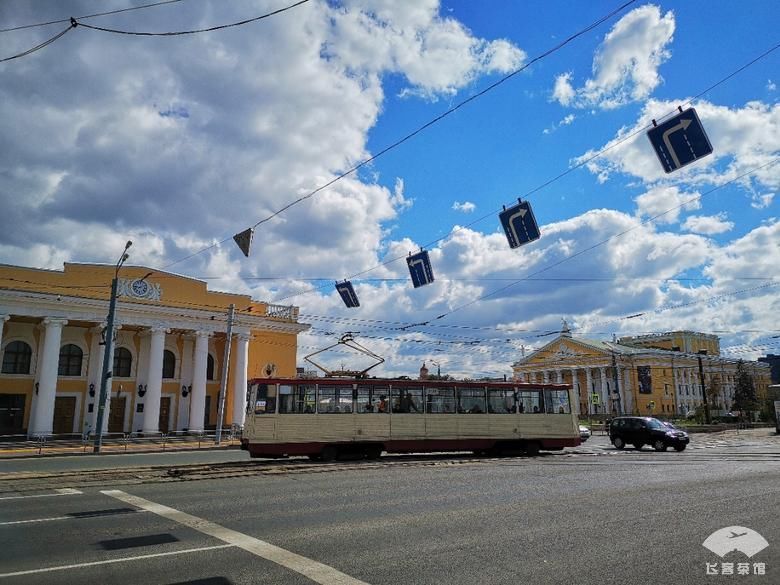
(667, 202)
(708, 224)
(770, 85)
(762, 201)
(465, 207)
(565, 121)
(625, 66)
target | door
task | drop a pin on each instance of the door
(116, 416)
(165, 413)
(207, 412)
(11, 414)
(64, 414)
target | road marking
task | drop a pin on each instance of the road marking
(316, 571)
(110, 561)
(53, 518)
(58, 492)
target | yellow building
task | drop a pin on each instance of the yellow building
(656, 375)
(168, 353)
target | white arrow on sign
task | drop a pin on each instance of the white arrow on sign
(520, 213)
(683, 125)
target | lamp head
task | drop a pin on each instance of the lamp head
(128, 244)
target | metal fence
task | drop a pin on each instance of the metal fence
(11, 445)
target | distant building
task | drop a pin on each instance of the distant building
(167, 361)
(649, 375)
(774, 365)
(423, 372)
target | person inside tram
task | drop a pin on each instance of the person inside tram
(382, 407)
(475, 409)
(407, 403)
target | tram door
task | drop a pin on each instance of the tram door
(64, 414)
(116, 415)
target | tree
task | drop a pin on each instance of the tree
(745, 399)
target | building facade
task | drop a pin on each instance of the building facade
(168, 353)
(648, 375)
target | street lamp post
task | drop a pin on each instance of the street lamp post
(108, 367)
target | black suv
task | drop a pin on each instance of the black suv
(643, 430)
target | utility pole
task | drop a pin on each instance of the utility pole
(108, 368)
(704, 393)
(225, 364)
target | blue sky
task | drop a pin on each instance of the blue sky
(178, 143)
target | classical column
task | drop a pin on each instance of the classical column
(626, 395)
(604, 391)
(546, 376)
(154, 381)
(46, 387)
(3, 319)
(588, 384)
(239, 379)
(186, 382)
(198, 395)
(559, 375)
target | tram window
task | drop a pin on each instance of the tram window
(407, 400)
(471, 400)
(335, 400)
(530, 402)
(265, 399)
(299, 399)
(501, 401)
(557, 401)
(369, 399)
(440, 400)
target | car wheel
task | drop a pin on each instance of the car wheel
(638, 446)
(618, 443)
(679, 448)
(659, 445)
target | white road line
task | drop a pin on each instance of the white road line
(110, 561)
(317, 572)
(53, 518)
(58, 492)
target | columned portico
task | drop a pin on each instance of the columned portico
(240, 379)
(46, 387)
(198, 395)
(154, 381)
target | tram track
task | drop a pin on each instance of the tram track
(23, 482)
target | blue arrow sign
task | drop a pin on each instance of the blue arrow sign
(519, 224)
(347, 293)
(420, 269)
(680, 141)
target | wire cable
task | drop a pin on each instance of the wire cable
(79, 18)
(45, 43)
(420, 129)
(195, 31)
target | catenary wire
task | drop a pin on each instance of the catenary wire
(417, 131)
(39, 46)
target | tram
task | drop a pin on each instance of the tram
(332, 417)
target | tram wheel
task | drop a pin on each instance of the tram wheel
(532, 449)
(373, 451)
(329, 453)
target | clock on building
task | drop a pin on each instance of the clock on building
(140, 288)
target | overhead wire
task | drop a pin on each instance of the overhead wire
(40, 46)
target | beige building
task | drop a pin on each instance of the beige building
(655, 375)
(167, 356)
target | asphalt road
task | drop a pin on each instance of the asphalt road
(577, 518)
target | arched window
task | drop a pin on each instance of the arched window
(70, 360)
(210, 368)
(169, 364)
(17, 358)
(123, 360)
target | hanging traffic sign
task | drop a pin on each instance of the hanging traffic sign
(347, 293)
(244, 240)
(595, 398)
(519, 224)
(420, 268)
(680, 141)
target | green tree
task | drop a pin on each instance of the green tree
(745, 399)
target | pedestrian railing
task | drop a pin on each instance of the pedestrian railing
(11, 445)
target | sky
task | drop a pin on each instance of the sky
(178, 142)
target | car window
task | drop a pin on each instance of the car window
(656, 424)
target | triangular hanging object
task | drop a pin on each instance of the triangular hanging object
(244, 240)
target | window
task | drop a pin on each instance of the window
(123, 360)
(370, 398)
(298, 399)
(471, 400)
(70, 360)
(557, 401)
(169, 364)
(501, 401)
(337, 400)
(440, 400)
(17, 358)
(265, 398)
(210, 367)
(408, 400)
(530, 401)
